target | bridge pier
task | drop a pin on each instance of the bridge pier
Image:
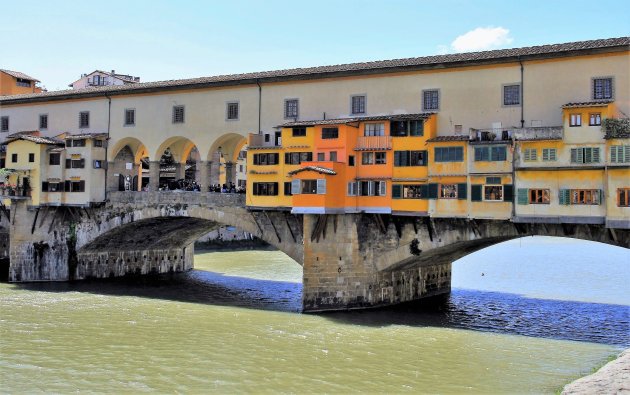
(154, 175)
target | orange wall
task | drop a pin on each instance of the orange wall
(8, 86)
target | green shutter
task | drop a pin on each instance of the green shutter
(522, 197)
(478, 154)
(424, 191)
(596, 155)
(475, 193)
(296, 187)
(508, 193)
(601, 197)
(433, 191)
(574, 155)
(462, 191)
(565, 197)
(396, 191)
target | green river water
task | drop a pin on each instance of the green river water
(233, 326)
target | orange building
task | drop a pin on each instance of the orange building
(16, 83)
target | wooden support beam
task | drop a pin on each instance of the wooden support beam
(74, 215)
(52, 223)
(35, 221)
(324, 226)
(335, 223)
(87, 213)
(273, 226)
(415, 226)
(429, 224)
(43, 219)
(286, 219)
(257, 225)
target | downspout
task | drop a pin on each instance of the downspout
(522, 94)
(259, 103)
(109, 121)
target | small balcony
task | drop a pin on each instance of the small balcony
(522, 134)
(374, 143)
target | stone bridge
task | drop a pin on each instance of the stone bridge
(349, 261)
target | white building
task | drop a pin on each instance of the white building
(103, 78)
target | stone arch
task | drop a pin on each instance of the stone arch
(224, 154)
(128, 162)
(179, 146)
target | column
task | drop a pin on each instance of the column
(203, 173)
(230, 174)
(214, 171)
(180, 171)
(154, 175)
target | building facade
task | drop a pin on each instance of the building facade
(103, 78)
(17, 83)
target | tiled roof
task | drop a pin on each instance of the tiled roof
(339, 121)
(448, 138)
(597, 103)
(85, 136)
(382, 66)
(321, 170)
(34, 139)
(17, 74)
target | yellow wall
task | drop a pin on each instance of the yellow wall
(8, 86)
(24, 168)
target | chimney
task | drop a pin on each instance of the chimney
(113, 71)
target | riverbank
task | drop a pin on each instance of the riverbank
(612, 378)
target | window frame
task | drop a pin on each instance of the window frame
(440, 158)
(54, 155)
(31, 157)
(575, 120)
(381, 130)
(330, 135)
(43, 117)
(126, 122)
(603, 93)
(424, 100)
(577, 201)
(4, 123)
(441, 191)
(625, 194)
(229, 113)
(547, 153)
(298, 131)
(504, 97)
(527, 155)
(286, 108)
(84, 119)
(597, 121)
(175, 119)
(539, 196)
(352, 106)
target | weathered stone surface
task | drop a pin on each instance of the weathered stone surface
(612, 378)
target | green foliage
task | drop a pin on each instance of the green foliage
(616, 127)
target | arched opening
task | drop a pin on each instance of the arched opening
(128, 170)
(229, 152)
(179, 165)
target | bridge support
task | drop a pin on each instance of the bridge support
(204, 174)
(154, 175)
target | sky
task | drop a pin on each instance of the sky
(56, 41)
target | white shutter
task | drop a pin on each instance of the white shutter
(370, 188)
(321, 186)
(552, 154)
(382, 188)
(580, 155)
(352, 189)
(296, 187)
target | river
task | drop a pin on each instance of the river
(525, 316)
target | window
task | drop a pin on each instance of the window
(602, 88)
(406, 128)
(448, 191)
(352, 189)
(265, 188)
(321, 156)
(98, 164)
(309, 187)
(178, 114)
(530, 155)
(449, 154)
(43, 121)
(380, 158)
(31, 157)
(287, 188)
(75, 163)
(333, 156)
(430, 100)
(549, 155)
(52, 186)
(84, 119)
(493, 192)
(266, 159)
(372, 188)
(74, 186)
(4, 124)
(330, 133)
(295, 158)
(594, 119)
(367, 158)
(374, 129)
(267, 137)
(575, 120)
(410, 158)
(54, 159)
(490, 154)
(623, 197)
(511, 95)
(130, 117)
(232, 111)
(620, 154)
(291, 108)
(410, 191)
(14, 158)
(358, 104)
(98, 143)
(351, 160)
(22, 82)
(539, 196)
(299, 132)
(585, 155)
(77, 143)
(585, 196)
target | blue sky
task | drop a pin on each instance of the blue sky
(56, 40)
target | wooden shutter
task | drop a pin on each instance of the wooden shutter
(296, 187)
(433, 191)
(44, 186)
(522, 196)
(287, 158)
(82, 163)
(66, 186)
(475, 193)
(82, 186)
(396, 191)
(580, 155)
(68, 163)
(600, 196)
(462, 191)
(565, 197)
(595, 155)
(424, 191)
(508, 193)
(321, 186)
(382, 186)
(370, 188)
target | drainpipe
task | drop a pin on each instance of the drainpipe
(522, 94)
(109, 121)
(259, 103)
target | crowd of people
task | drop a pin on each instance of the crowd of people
(191, 185)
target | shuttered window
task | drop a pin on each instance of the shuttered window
(352, 189)
(84, 119)
(433, 191)
(585, 155)
(508, 193)
(549, 155)
(321, 186)
(620, 154)
(490, 154)
(564, 197)
(449, 154)
(178, 114)
(476, 193)
(530, 154)
(265, 188)
(266, 159)
(462, 191)
(287, 189)
(410, 158)
(522, 196)
(295, 187)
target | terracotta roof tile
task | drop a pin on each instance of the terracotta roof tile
(339, 121)
(319, 169)
(17, 74)
(34, 139)
(425, 62)
(597, 103)
(448, 138)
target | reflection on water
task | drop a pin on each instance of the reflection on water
(233, 325)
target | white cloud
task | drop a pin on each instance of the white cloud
(482, 38)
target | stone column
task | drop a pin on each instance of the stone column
(180, 170)
(154, 175)
(214, 172)
(230, 174)
(203, 174)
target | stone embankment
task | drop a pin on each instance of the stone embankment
(612, 378)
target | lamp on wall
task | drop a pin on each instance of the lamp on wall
(220, 152)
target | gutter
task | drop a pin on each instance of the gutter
(109, 121)
(520, 61)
